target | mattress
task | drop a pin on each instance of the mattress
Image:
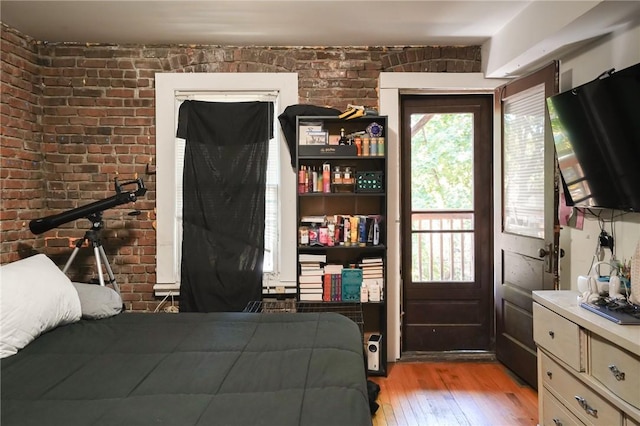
(191, 369)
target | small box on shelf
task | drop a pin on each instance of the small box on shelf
(351, 283)
(369, 181)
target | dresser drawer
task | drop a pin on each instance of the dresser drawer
(617, 369)
(556, 414)
(558, 336)
(586, 404)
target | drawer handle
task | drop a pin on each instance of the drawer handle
(552, 334)
(619, 375)
(585, 406)
(550, 374)
(557, 422)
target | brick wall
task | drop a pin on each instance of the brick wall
(89, 117)
(21, 159)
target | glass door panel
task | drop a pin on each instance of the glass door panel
(442, 218)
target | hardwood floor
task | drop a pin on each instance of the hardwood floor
(454, 393)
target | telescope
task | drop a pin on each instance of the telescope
(38, 226)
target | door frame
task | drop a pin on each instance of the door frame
(391, 86)
(467, 321)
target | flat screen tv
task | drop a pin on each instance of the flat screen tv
(596, 130)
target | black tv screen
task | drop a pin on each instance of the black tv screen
(596, 130)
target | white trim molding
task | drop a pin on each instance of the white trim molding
(168, 86)
(391, 86)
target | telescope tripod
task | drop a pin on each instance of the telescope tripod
(93, 237)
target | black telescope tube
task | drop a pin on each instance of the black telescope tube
(38, 226)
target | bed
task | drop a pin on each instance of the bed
(189, 369)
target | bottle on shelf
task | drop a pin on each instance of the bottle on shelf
(314, 180)
(337, 176)
(381, 146)
(303, 233)
(373, 147)
(346, 231)
(302, 179)
(358, 142)
(343, 139)
(365, 146)
(326, 177)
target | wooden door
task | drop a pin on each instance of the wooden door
(447, 255)
(527, 232)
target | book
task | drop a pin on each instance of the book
(310, 279)
(311, 290)
(336, 287)
(326, 288)
(373, 281)
(274, 284)
(370, 265)
(310, 266)
(311, 271)
(372, 276)
(311, 285)
(351, 283)
(313, 219)
(332, 268)
(308, 257)
(311, 297)
(276, 290)
(373, 273)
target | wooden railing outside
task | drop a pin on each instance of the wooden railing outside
(443, 246)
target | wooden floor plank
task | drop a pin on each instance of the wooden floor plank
(454, 393)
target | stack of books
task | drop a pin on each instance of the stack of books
(311, 276)
(332, 289)
(373, 277)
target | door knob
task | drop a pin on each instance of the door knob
(542, 252)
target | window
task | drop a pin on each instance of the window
(270, 265)
(442, 205)
(171, 91)
(524, 144)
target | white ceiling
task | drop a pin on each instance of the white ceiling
(263, 23)
(552, 24)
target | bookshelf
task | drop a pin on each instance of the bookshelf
(341, 210)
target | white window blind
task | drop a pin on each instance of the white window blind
(524, 122)
(271, 236)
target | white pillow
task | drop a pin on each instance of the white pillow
(35, 296)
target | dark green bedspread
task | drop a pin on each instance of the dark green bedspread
(190, 369)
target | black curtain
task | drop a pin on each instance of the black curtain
(224, 184)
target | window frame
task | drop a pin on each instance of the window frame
(168, 87)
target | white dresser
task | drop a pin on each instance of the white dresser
(588, 366)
